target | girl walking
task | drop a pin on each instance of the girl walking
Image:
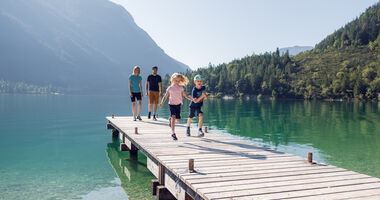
(135, 91)
(175, 90)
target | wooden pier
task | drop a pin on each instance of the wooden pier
(222, 167)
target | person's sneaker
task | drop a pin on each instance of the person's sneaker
(200, 133)
(139, 118)
(174, 136)
(154, 118)
(134, 118)
(148, 115)
(188, 131)
(170, 122)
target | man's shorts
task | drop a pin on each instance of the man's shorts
(153, 97)
(136, 96)
(175, 110)
(193, 110)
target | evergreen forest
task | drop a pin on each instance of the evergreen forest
(345, 65)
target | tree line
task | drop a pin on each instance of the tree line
(345, 65)
(24, 88)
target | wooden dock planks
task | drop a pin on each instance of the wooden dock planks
(229, 168)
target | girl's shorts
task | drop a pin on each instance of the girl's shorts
(175, 110)
(136, 96)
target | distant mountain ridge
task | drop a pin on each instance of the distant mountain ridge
(80, 45)
(295, 50)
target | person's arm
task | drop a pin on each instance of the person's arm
(164, 99)
(160, 90)
(146, 87)
(201, 97)
(186, 96)
(130, 87)
(141, 89)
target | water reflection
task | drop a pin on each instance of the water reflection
(135, 177)
(346, 134)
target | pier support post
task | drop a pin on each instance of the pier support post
(115, 133)
(133, 152)
(109, 126)
(155, 183)
(123, 147)
(161, 174)
(164, 194)
(188, 197)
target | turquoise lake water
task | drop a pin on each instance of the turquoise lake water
(57, 147)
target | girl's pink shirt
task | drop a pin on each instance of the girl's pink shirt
(175, 94)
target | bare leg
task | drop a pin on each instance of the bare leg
(154, 108)
(189, 121)
(173, 123)
(139, 108)
(150, 107)
(134, 109)
(200, 120)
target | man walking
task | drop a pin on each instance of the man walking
(154, 83)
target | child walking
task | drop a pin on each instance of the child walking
(135, 91)
(198, 93)
(175, 90)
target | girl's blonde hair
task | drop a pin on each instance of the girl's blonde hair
(183, 80)
(134, 69)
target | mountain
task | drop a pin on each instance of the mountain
(344, 65)
(295, 50)
(81, 46)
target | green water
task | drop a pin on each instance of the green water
(57, 147)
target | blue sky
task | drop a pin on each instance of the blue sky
(197, 32)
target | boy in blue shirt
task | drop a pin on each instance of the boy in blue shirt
(198, 94)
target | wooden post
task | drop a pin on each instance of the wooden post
(188, 197)
(191, 165)
(109, 126)
(161, 174)
(164, 194)
(205, 129)
(136, 130)
(123, 147)
(154, 186)
(115, 133)
(133, 152)
(310, 157)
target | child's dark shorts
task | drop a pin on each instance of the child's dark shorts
(136, 96)
(193, 110)
(175, 110)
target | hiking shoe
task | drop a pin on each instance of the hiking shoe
(154, 118)
(148, 115)
(200, 133)
(188, 131)
(139, 118)
(170, 122)
(174, 136)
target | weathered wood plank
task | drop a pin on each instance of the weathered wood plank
(303, 192)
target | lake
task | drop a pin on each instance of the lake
(57, 147)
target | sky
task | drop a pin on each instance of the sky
(199, 32)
